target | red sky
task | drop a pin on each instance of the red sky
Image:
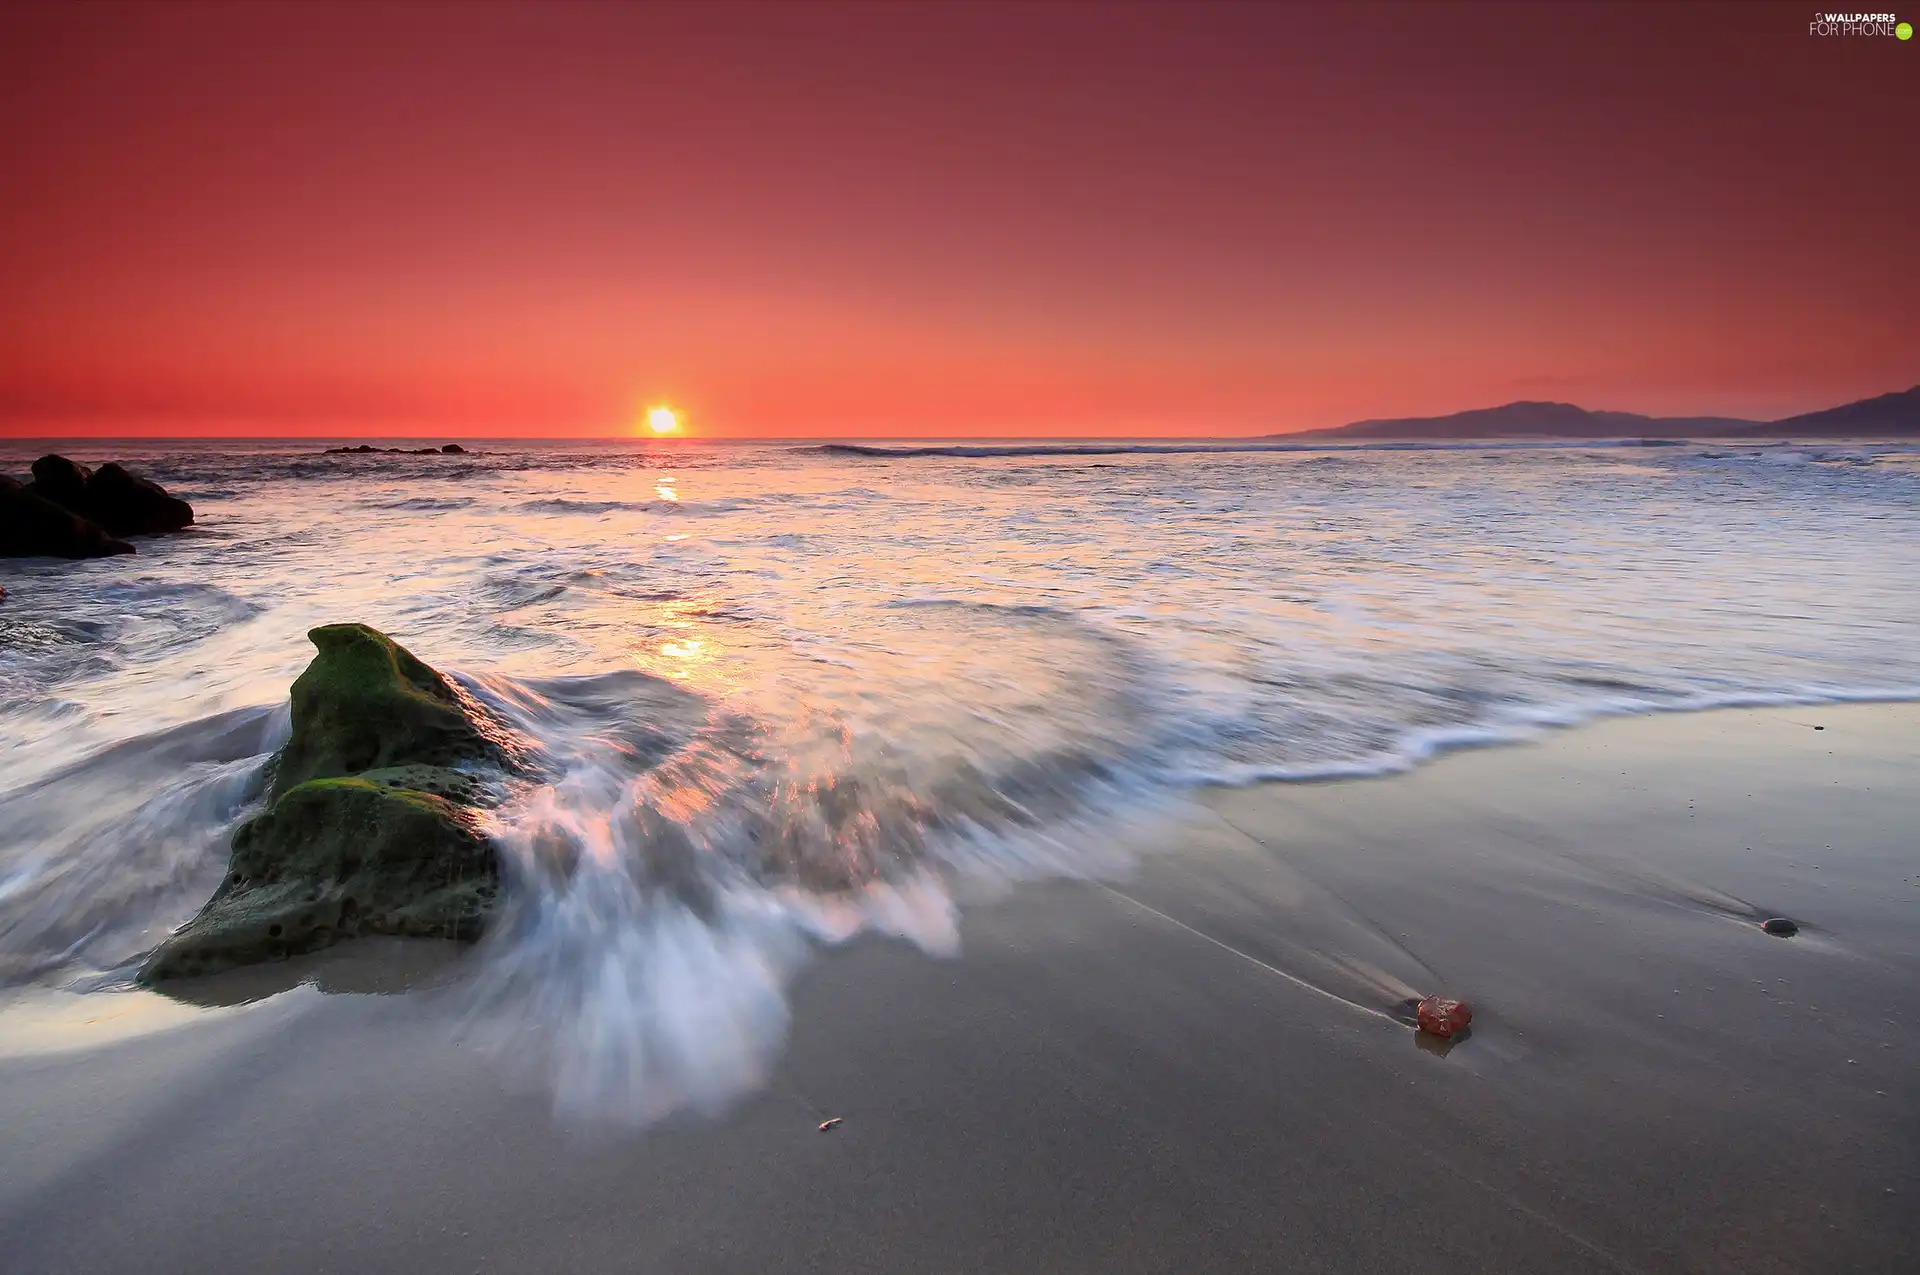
(901, 219)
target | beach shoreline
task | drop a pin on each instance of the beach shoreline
(1192, 1067)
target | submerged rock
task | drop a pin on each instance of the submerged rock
(372, 824)
(31, 526)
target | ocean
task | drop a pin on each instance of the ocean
(786, 694)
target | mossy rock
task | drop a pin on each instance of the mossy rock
(365, 703)
(333, 858)
(371, 825)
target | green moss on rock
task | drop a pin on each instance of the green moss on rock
(370, 829)
(365, 703)
(334, 858)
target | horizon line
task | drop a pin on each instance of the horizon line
(628, 433)
(637, 436)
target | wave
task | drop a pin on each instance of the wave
(1520, 723)
(101, 859)
(53, 637)
(991, 451)
(563, 505)
(1034, 449)
(1781, 453)
(689, 853)
(421, 504)
(666, 508)
(685, 861)
(680, 857)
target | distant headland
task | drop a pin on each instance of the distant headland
(1895, 415)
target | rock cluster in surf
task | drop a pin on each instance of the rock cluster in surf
(367, 449)
(70, 511)
(371, 825)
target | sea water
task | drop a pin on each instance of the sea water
(787, 693)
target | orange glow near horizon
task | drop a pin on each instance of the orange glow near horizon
(416, 221)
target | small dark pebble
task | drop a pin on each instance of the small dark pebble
(1819, 728)
(1781, 928)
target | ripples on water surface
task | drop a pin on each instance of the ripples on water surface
(792, 693)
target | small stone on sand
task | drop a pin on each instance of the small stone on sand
(1444, 1018)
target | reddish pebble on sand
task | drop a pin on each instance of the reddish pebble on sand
(1441, 1017)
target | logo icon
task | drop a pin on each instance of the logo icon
(1881, 24)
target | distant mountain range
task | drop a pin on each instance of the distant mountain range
(1894, 415)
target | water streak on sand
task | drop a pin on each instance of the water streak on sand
(1250, 959)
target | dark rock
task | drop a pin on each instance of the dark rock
(1781, 928)
(32, 526)
(62, 481)
(123, 504)
(372, 824)
(128, 505)
(367, 449)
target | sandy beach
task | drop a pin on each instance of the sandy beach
(1194, 1068)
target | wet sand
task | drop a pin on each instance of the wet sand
(1194, 1069)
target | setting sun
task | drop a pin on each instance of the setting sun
(663, 420)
